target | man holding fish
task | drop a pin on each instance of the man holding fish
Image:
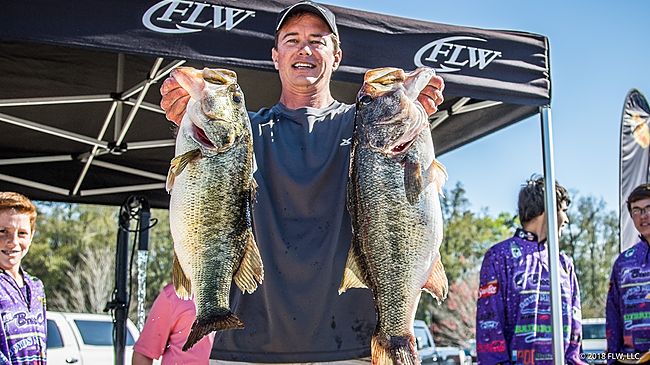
(300, 221)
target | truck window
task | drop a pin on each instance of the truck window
(54, 340)
(421, 338)
(99, 333)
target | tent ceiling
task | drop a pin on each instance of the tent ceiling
(59, 99)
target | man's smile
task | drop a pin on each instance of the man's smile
(303, 65)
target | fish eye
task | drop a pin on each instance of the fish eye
(236, 93)
(365, 99)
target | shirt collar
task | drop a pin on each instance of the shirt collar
(525, 235)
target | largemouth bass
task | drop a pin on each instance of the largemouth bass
(393, 201)
(212, 189)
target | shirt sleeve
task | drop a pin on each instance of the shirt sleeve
(154, 336)
(613, 316)
(491, 347)
(4, 350)
(572, 355)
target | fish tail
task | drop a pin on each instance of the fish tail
(394, 350)
(222, 321)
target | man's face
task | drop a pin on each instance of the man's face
(15, 238)
(640, 212)
(562, 217)
(305, 56)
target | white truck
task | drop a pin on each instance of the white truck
(84, 339)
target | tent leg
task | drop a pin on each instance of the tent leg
(553, 242)
(120, 300)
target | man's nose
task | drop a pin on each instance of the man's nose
(306, 49)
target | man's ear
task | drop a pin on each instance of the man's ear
(338, 56)
(274, 57)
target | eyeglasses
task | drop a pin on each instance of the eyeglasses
(637, 212)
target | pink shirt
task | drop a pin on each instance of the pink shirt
(167, 328)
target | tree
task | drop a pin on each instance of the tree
(467, 236)
(591, 239)
(453, 323)
(89, 285)
(64, 232)
(73, 253)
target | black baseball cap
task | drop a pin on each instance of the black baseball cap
(640, 192)
(309, 7)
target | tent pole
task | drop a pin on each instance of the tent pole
(34, 184)
(51, 130)
(553, 242)
(95, 149)
(119, 87)
(129, 119)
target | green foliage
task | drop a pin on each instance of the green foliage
(74, 246)
(591, 239)
(467, 235)
(63, 232)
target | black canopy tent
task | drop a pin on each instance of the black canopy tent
(79, 95)
(59, 75)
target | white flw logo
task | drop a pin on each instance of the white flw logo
(186, 16)
(446, 56)
(346, 141)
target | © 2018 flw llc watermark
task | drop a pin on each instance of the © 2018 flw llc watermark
(618, 356)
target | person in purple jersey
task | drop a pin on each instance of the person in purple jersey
(513, 316)
(22, 299)
(628, 299)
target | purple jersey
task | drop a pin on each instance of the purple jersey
(628, 302)
(23, 332)
(513, 316)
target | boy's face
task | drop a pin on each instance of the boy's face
(640, 212)
(15, 239)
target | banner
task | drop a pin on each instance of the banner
(634, 160)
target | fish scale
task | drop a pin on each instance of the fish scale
(212, 189)
(395, 209)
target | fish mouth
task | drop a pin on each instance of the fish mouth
(201, 138)
(401, 148)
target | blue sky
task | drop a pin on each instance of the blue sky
(599, 51)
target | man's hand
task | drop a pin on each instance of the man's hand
(174, 100)
(431, 96)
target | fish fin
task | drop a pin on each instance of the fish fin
(251, 269)
(182, 283)
(437, 284)
(224, 320)
(351, 274)
(170, 180)
(389, 350)
(413, 184)
(437, 174)
(254, 187)
(178, 164)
